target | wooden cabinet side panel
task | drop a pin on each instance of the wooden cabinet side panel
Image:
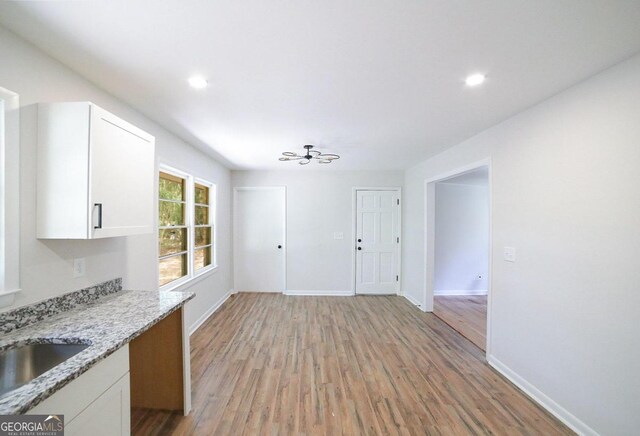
(62, 170)
(156, 366)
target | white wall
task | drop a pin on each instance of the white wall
(46, 266)
(461, 239)
(319, 203)
(564, 316)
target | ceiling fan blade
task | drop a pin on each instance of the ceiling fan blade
(304, 162)
(329, 156)
(290, 154)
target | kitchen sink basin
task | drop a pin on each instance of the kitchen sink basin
(22, 363)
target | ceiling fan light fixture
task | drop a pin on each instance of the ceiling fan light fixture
(309, 155)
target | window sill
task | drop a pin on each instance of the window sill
(7, 297)
(187, 282)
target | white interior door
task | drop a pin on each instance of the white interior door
(377, 242)
(259, 239)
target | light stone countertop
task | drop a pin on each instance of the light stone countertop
(106, 324)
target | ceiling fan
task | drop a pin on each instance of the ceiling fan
(323, 158)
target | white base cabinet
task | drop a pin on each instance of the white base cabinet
(108, 415)
(98, 402)
(96, 174)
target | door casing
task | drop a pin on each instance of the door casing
(429, 237)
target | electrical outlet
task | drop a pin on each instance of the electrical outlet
(509, 254)
(79, 267)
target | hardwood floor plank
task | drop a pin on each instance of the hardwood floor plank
(273, 364)
(467, 314)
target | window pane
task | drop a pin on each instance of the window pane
(171, 187)
(172, 268)
(202, 257)
(170, 214)
(201, 194)
(202, 215)
(172, 241)
(203, 236)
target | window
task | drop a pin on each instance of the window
(203, 227)
(186, 215)
(172, 228)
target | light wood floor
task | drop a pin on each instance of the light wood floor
(467, 314)
(274, 364)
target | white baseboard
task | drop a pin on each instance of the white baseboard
(539, 397)
(413, 300)
(461, 292)
(320, 293)
(196, 325)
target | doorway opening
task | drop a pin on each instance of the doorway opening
(459, 251)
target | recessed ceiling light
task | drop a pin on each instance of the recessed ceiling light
(475, 79)
(198, 82)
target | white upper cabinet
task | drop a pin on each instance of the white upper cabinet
(96, 174)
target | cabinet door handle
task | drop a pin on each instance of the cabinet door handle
(99, 206)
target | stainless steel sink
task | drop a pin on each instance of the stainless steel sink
(22, 363)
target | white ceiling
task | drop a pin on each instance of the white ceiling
(379, 82)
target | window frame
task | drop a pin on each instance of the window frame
(186, 220)
(9, 197)
(213, 197)
(189, 216)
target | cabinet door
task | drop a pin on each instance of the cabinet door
(108, 415)
(122, 168)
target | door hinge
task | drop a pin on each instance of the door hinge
(398, 239)
(397, 278)
(398, 200)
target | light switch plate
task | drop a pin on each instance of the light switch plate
(79, 267)
(509, 254)
(338, 235)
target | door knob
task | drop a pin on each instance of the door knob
(279, 246)
(359, 248)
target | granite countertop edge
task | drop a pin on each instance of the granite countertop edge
(102, 343)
